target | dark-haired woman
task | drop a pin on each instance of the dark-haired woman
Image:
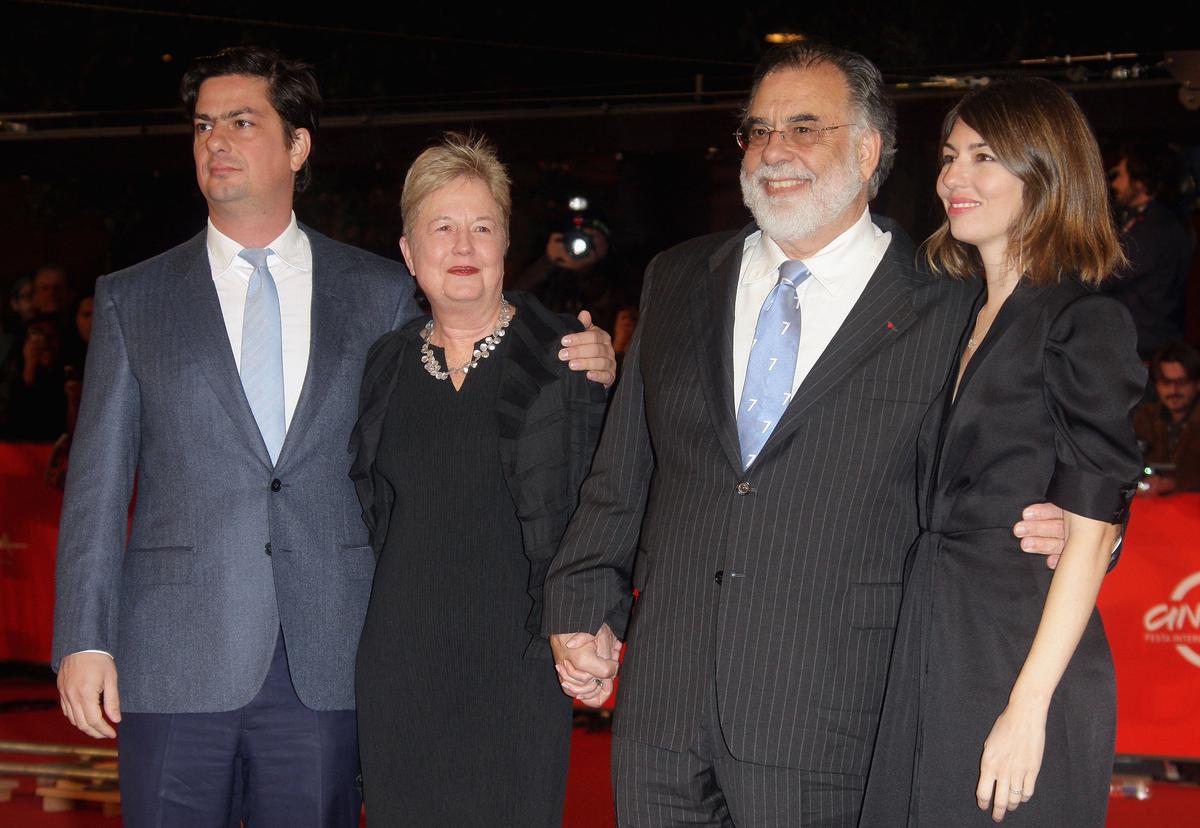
(1001, 694)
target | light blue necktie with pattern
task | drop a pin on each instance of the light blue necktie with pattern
(772, 364)
(262, 351)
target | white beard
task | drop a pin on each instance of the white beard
(795, 216)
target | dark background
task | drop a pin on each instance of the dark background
(631, 105)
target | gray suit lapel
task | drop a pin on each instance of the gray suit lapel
(329, 320)
(712, 302)
(199, 320)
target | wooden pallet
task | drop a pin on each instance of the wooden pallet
(68, 794)
(88, 774)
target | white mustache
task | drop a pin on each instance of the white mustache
(786, 169)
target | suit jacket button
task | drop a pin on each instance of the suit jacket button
(718, 575)
(276, 485)
(743, 488)
(267, 548)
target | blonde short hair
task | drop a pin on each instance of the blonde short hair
(455, 156)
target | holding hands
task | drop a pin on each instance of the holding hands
(587, 664)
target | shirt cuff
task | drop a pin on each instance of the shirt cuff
(102, 652)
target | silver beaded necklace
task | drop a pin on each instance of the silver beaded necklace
(482, 352)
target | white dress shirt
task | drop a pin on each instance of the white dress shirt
(840, 272)
(290, 264)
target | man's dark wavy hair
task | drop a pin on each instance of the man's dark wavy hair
(291, 89)
(1181, 352)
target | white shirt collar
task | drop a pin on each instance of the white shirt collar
(289, 246)
(828, 264)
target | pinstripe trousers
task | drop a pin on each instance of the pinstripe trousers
(656, 787)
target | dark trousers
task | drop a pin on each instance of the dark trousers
(655, 787)
(272, 763)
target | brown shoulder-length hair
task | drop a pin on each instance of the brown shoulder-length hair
(1040, 135)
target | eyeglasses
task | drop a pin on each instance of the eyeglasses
(757, 135)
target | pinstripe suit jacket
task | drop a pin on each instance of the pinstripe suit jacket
(783, 580)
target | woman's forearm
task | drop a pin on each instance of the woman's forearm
(1069, 605)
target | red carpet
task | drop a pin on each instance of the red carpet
(589, 793)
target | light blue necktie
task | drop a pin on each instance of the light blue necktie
(262, 351)
(772, 364)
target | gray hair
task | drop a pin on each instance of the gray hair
(868, 97)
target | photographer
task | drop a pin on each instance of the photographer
(576, 273)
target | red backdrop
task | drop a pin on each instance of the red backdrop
(1151, 609)
(28, 530)
(1150, 603)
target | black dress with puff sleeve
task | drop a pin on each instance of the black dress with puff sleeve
(1042, 414)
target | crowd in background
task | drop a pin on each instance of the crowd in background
(46, 322)
(44, 334)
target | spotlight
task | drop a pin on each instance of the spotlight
(785, 37)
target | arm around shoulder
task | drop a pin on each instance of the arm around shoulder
(590, 581)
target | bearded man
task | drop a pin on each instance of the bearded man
(763, 478)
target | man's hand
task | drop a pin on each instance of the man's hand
(1041, 531)
(84, 681)
(590, 350)
(586, 664)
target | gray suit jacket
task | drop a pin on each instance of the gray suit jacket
(783, 582)
(223, 549)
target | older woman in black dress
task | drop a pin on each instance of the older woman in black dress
(1001, 694)
(471, 446)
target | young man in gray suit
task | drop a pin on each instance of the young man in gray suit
(223, 376)
(759, 487)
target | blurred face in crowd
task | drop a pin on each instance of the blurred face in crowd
(83, 318)
(805, 196)
(1176, 390)
(1126, 191)
(42, 339)
(623, 328)
(22, 300)
(50, 290)
(245, 160)
(455, 248)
